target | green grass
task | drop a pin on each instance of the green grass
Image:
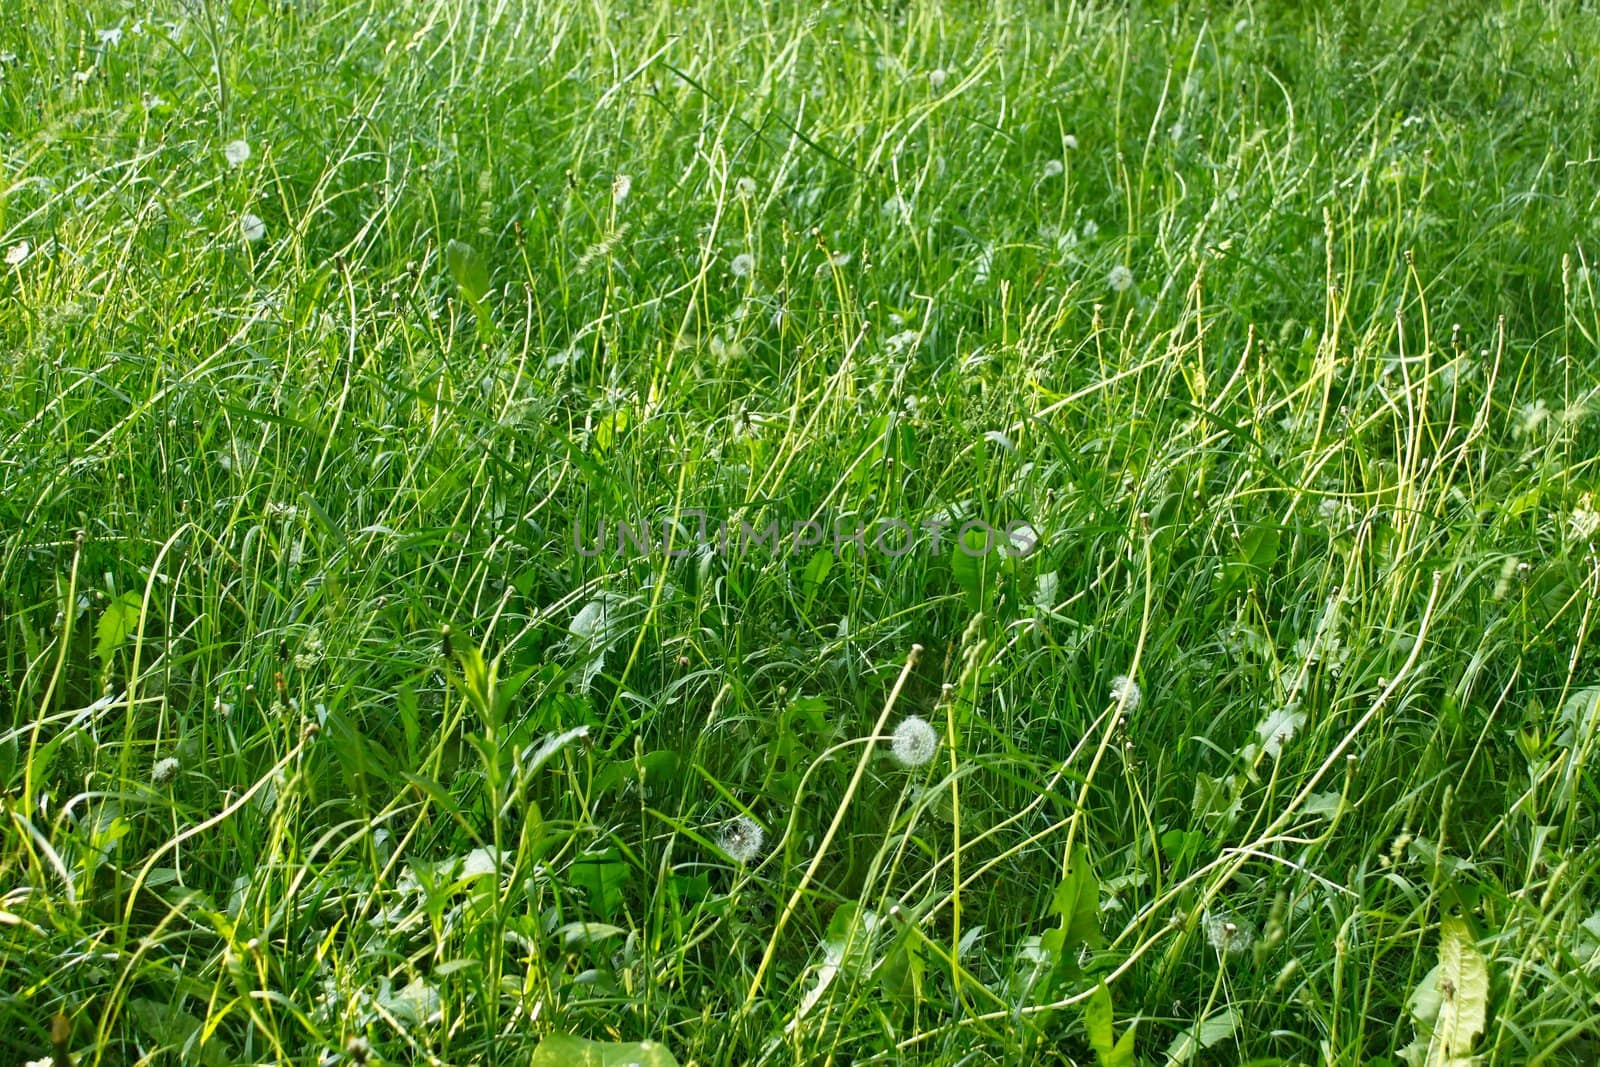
(298, 514)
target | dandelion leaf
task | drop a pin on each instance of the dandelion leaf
(564, 1050)
(1097, 1017)
(467, 268)
(970, 563)
(1077, 902)
(1196, 1039)
(120, 619)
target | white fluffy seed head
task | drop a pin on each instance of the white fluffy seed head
(236, 152)
(914, 742)
(745, 187)
(251, 228)
(1125, 692)
(1228, 934)
(742, 839)
(621, 186)
(164, 771)
(742, 265)
(1120, 279)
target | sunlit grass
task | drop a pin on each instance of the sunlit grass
(334, 332)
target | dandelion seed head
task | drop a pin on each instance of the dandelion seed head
(1090, 229)
(252, 228)
(1120, 279)
(18, 253)
(236, 152)
(110, 38)
(164, 770)
(1053, 168)
(742, 839)
(1125, 692)
(742, 265)
(936, 78)
(914, 742)
(1070, 143)
(621, 186)
(745, 187)
(1229, 935)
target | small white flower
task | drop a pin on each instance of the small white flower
(745, 187)
(621, 186)
(18, 253)
(1053, 168)
(742, 265)
(252, 228)
(936, 78)
(236, 152)
(1126, 692)
(164, 771)
(914, 742)
(1120, 279)
(110, 38)
(1070, 143)
(742, 839)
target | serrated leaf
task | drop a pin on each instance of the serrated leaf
(563, 1050)
(120, 619)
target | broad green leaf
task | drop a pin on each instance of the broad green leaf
(1258, 547)
(1077, 901)
(468, 269)
(175, 1028)
(1186, 1045)
(120, 619)
(602, 879)
(816, 572)
(1463, 990)
(563, 1050)
(973, 567)
(1097, 1021)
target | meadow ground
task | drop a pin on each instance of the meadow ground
(335, 333)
